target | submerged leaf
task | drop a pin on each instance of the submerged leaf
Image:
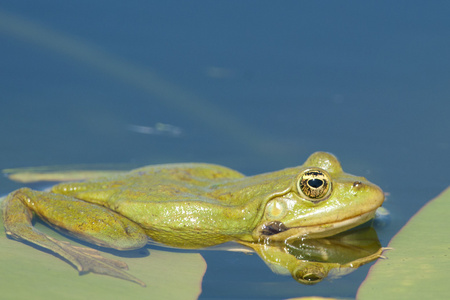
(56, 174)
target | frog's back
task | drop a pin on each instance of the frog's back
(174, 182)
(155, 183)
(194, 172)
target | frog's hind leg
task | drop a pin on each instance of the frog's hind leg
(84, 220)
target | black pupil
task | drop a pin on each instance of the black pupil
(315, 183)
(311, 277)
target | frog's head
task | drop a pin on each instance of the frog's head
(320, 200)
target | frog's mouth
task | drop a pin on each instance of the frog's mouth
(277, 231)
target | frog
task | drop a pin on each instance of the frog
(191, 206)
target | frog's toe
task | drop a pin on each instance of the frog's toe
(89, 260)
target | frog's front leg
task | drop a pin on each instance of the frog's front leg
(86, 221)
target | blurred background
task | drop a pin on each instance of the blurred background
(253, 85)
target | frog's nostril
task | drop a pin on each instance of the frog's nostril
(357, 184)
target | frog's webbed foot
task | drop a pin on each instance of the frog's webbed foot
(18, 210)
(90, 260)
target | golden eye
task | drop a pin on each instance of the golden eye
(315, 185)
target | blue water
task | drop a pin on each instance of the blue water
(253, 85)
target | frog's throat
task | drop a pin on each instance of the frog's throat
(320, 230)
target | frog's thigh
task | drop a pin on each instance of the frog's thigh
(87, 221)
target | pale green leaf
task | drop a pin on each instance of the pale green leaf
(418, 265)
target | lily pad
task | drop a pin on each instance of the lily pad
(28, 273)
(417, 265)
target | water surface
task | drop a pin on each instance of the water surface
(253, 85)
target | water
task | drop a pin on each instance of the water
(250, 85)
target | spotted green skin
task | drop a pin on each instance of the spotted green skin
(196, 205)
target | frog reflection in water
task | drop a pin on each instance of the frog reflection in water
(192, 205)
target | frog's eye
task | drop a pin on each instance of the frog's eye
(314, 185)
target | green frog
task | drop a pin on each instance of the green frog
(192, 205)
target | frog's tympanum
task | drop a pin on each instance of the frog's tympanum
(192, 205)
